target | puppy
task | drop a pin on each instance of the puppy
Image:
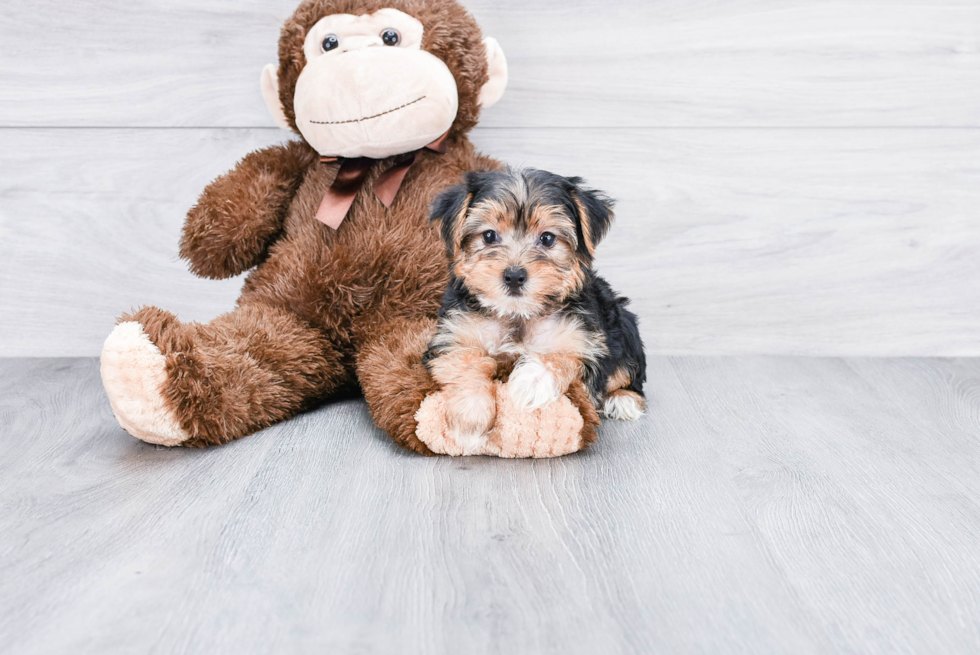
(523, 301)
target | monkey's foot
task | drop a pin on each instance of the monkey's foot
(133, 374)
(554, 430)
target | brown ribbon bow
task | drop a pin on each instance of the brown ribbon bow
(350, 178)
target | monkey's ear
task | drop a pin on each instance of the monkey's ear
(270, 91)
(450, 208)
(595, 215)
(493, 90)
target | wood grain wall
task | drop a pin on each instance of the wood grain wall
(798, 177)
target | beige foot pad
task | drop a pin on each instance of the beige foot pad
(552, 431)
(133, 374)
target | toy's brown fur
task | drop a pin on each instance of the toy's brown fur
(322, 310)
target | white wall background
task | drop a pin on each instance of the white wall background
(794, 176)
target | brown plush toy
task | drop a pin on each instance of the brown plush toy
(347, 274)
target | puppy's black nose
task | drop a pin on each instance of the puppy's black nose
(514, 278)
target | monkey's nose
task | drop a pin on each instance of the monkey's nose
(353, 43)
(514, 278)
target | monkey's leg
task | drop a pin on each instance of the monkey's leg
(193, 384)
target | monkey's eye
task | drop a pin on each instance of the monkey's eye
(489, 237)
(547, 239)
(391, 37)
(330, 43)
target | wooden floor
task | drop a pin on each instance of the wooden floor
(765, 505)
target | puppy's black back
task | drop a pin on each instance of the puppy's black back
(605, 311)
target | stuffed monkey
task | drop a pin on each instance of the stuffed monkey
(347, 273)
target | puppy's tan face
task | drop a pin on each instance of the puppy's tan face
(518, 256)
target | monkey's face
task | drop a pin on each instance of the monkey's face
(369, 89)
(518, 255)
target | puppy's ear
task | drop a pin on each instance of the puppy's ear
(450, 208)
(594, 215)
(453, 204)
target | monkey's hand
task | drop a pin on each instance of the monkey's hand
(559, 428)
(239, 215)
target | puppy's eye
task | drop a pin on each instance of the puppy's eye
(489, 237)
(391, 37)
(330, 43)
(547, 239)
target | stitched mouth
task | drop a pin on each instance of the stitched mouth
(367, 118)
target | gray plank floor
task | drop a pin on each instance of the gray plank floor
(765, 505)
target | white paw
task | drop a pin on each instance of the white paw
(532, 385)
(133, 373)
(621, 406)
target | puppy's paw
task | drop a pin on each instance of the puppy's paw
(469, 416)
(624, 405)
(532, 385)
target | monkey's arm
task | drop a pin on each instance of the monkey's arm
(239, 214)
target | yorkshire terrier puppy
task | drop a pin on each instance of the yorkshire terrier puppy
(523, 301)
